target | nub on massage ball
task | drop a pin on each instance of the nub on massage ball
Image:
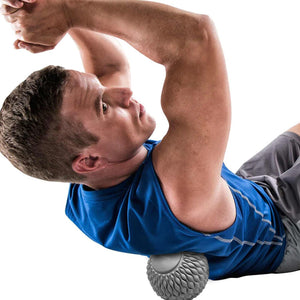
(179, 276)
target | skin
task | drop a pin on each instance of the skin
(119, 121)
(195, 99)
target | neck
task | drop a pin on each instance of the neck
(116, 172)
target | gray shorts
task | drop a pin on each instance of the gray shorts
(277, 169)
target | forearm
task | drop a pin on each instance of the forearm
(101, 55)
(158, 31)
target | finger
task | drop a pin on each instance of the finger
(16, 44)
(11, 6)
(27, 1)
(38, 49)
(8, 10)
(10, 18)
(33, 48)
(14, 3)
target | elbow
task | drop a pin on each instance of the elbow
(205, 29)
(203, 34)
(200, 40)
(196, 35)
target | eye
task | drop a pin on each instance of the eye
(104, 107)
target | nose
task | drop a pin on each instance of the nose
(126, 95)
(120, 96)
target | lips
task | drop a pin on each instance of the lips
(142, 110)
(139, 107)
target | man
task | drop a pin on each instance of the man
(161, 197)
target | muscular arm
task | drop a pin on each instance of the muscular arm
(102, 55)
(152, 28)
(195, 100)
(195, 96)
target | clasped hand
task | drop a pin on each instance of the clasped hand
(38, 24)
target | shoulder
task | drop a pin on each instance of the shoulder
(204, 208)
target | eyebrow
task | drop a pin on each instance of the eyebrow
(97, 105)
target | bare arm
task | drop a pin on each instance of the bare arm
(195, 100)
(102, 55)
(152, 28)
(195, 97)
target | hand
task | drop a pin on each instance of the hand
(38, 24)
(11, 6)
(33, 48)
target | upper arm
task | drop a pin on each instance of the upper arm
(107, 61)
(116, 77)
(102, 56)
(196, 102)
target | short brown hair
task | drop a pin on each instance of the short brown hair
(34, 137)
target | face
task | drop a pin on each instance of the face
(120, 122)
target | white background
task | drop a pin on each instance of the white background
(44, 256)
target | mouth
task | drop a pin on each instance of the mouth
(142, 110)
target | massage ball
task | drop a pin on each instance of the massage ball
(179, 276)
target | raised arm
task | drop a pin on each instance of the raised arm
(102, 55)
(150, 27)
(195, 97)
(195, 100)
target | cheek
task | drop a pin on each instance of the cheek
(122, 136)
(126, 131)
(124, 125)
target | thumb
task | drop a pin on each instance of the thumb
(33, 48)
(17, 3)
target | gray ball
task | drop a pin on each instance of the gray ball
(179, 276)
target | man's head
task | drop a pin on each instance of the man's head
(58, 125)
(119, 122)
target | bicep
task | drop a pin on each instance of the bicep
(116, 78)
(107, 61)
(102, 56)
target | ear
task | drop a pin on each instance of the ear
(83, 164)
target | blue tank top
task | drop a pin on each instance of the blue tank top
(134, 217)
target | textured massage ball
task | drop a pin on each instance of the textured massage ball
(179, 276)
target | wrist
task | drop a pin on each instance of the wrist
(67, 6)
(76, 12)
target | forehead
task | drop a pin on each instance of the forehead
(80, 89)
(81, 80)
